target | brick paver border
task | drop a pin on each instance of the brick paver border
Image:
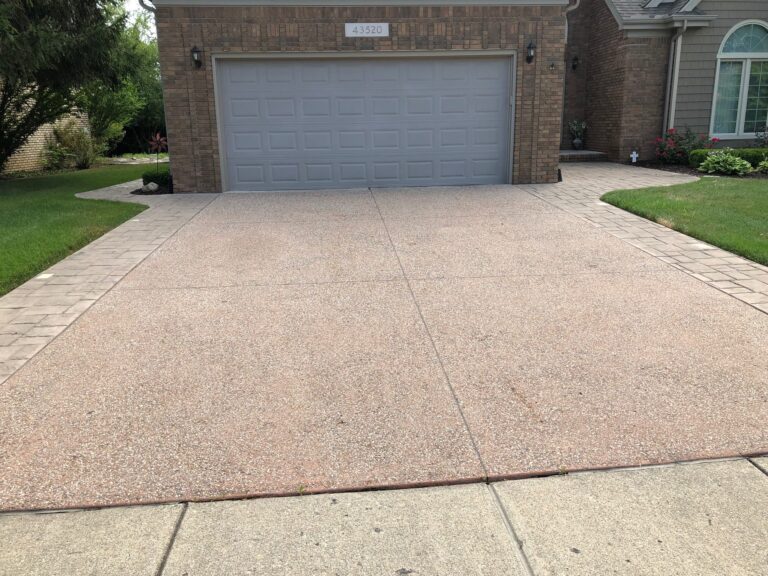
(35, 313)
(580, 192)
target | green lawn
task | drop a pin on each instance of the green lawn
(728, 212)
(42, 222)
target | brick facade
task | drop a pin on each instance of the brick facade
(619, 87)
(29, 158)
(189, 92)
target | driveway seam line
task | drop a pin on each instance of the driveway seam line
(389, 280)
(172, 541)
(516, 541)
(432, 342)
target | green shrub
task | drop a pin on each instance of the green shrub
(55, 156)
(77, 142)
(752, 155)
(763, 166)
(761, 136)
(160, 176)
(725, 162)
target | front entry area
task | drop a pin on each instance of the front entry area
(318, 123)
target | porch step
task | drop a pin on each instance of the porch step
(582, 156)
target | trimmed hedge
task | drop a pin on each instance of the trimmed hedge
(752, 155)
(161, 177)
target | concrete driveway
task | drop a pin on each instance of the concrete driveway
(326, 341)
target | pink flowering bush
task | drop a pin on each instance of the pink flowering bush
(675, 146)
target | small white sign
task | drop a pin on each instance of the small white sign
(366, 30)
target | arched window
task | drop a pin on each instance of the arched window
(741, 96)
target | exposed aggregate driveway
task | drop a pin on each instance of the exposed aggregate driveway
(338, 340)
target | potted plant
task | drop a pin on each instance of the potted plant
(577, 128)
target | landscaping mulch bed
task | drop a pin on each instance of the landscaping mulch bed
(158, 192)
(685, 169)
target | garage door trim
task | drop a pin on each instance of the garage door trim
(392, 54)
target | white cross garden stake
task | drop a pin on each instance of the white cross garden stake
(634, 156)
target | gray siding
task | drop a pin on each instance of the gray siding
(699, 60)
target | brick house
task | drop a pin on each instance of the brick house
(300, 94)
(637, 67)
(29, 157)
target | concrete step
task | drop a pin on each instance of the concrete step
(582, 156)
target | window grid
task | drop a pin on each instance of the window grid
(756, 114)
(748, 39)
(740, 102)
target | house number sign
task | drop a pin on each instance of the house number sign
(366, 30)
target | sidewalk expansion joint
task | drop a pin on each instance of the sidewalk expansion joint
(758, 466)
(172, 540)
(517, 542)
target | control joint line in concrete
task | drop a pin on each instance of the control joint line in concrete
(432, 341)
(517, 542)
(172, 539)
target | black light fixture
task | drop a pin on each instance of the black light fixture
(575, 63)
(197, 57)
(531, 52)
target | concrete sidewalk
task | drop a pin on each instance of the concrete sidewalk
(703, 519)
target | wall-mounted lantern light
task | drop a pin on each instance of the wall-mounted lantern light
(197, 57)
(531, 52)
(575, 63)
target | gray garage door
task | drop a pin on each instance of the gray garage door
(300, 124)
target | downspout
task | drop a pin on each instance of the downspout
(146, 6)
(568, 10)
(673, 77)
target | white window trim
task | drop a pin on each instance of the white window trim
(747, 58)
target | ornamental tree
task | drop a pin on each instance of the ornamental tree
(50, 50)
(112, 107)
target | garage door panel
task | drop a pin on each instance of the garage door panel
(302, 124)
(295, 176)
(262, 107)
(417, 141)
